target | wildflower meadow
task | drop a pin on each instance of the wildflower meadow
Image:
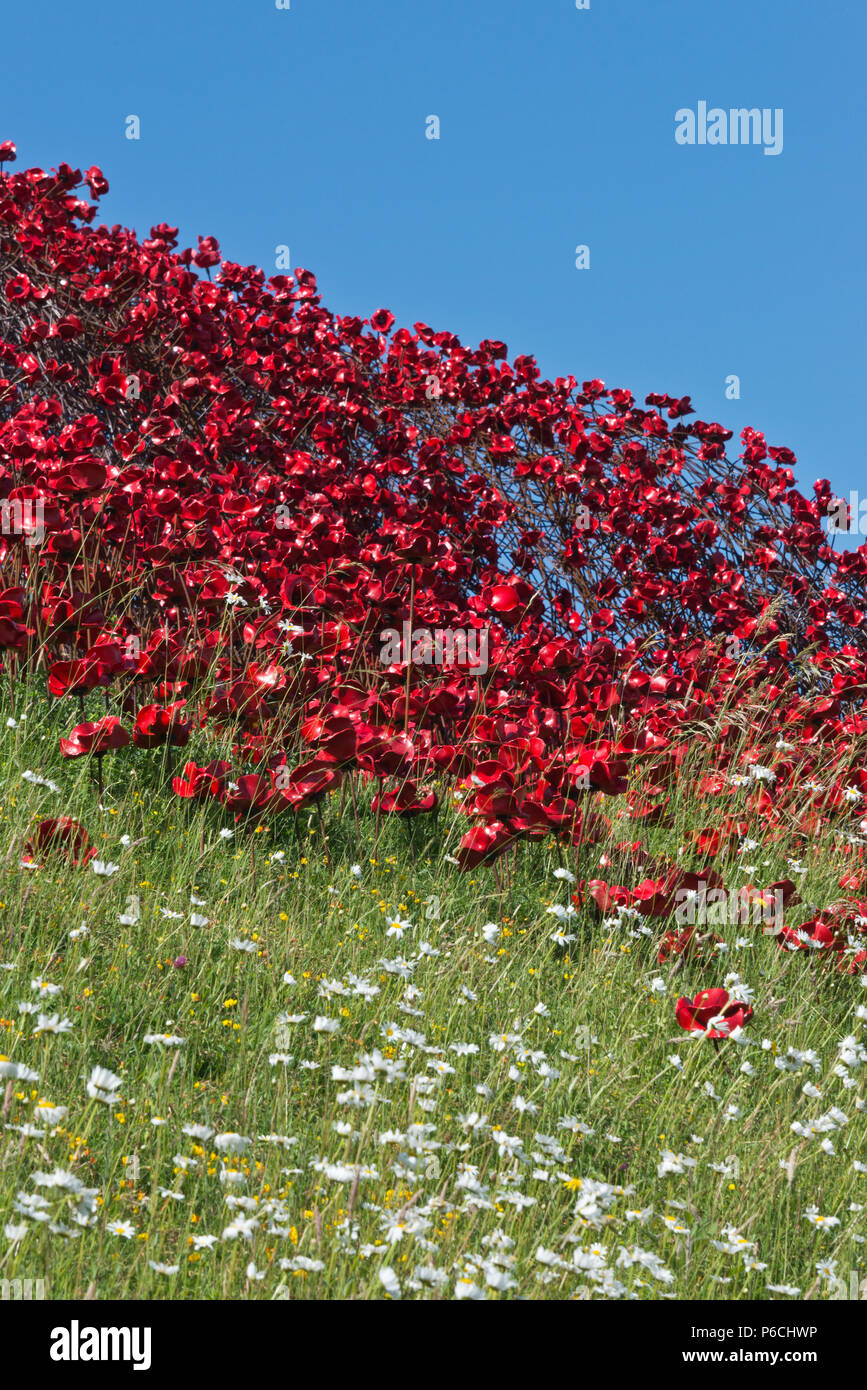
(432, 815)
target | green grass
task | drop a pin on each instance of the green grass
(452, 1203)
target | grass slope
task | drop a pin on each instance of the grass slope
(460, 1106)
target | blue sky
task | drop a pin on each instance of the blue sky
(306, 127)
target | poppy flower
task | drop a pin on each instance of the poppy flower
(156, 725)
(250, 794)
(510, 601)
(77, 677)
(304, 784)
(18, 289)
(712, 1012)
(63, 836)
(201, 783)
(13, 631)
(853, 965)
(96, 181)
(387, 757)
(406, 801)
(336, 739)
(208, 253)
(689, 942)
(382, 321)
(600, 773)
(97, 738)
(813, 935)
(483, 844)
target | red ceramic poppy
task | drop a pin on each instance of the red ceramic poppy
(155, 726)
(98, 738)
(712, 1012)
(63, 836)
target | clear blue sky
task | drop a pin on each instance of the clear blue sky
(306, 127)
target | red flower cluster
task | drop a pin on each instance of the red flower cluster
(221, 491)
